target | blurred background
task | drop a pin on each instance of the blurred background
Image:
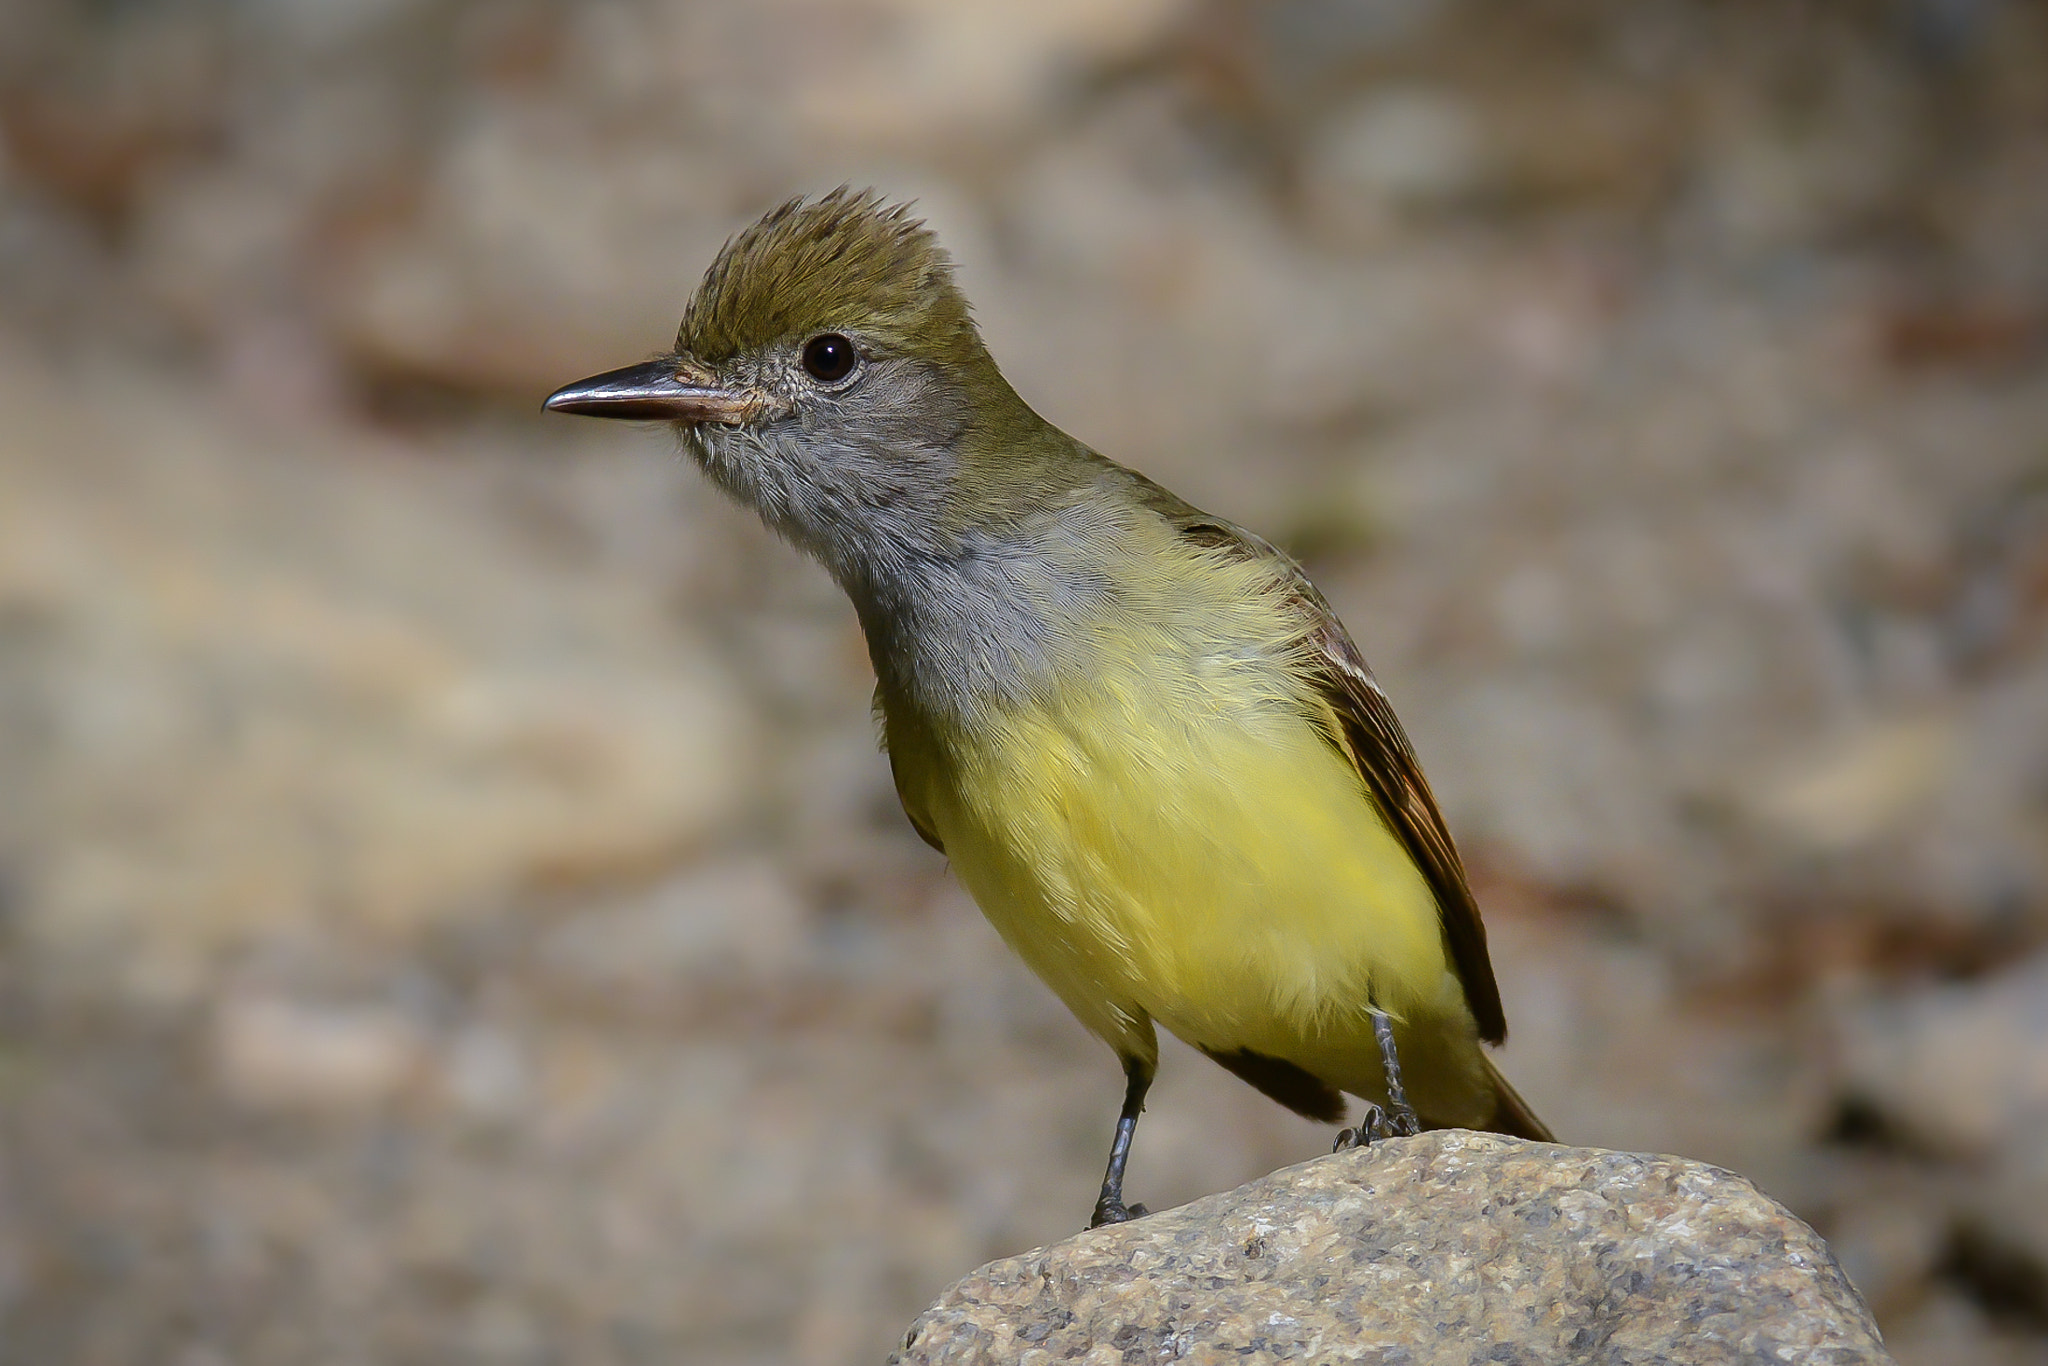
(451, 906)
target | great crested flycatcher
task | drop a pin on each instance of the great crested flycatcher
(1148, 747)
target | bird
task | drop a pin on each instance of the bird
(1140, 736)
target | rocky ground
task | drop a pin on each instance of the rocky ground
(1452, 1248)
(451, 908)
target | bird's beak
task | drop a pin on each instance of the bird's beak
(656, 391)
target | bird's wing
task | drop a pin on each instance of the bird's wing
(1371, 737)
(923, 829)
(921, 824)
(1379, 748)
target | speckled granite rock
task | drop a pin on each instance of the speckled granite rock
(1451, 1247)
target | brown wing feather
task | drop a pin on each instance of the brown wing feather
(1380, 750)
(1372, 738)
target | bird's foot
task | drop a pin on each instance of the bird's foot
(1376, 1124)
(1116, 1212)
(1402, 1122)
(1372, 1125)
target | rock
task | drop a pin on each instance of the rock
(257, 680)
(274, 1053)
(736, 915)
(1410, 147)
(529, 255)
(2004, 1230)
(1893, 1238)
(1453, 1246)
(888, 74)
(1865, 787)
(484, 1074)
(1960, 1071)
(1961, 1068)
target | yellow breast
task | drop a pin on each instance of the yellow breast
(1186, 845)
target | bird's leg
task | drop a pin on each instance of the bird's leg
(1398, 1120)
(1110, 1208)
(1401, 1114)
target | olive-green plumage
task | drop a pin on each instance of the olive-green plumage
(1149, 749)
(841, 263)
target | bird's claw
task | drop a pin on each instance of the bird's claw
(1372, 1126)
(1376, 1124)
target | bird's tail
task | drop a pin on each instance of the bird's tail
(1511, 1114)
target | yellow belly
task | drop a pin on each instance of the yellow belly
(1206, 860)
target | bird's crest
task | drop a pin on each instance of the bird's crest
(845, 262)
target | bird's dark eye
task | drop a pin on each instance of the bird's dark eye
(829, 357)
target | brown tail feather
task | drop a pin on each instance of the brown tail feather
(1512, 1115)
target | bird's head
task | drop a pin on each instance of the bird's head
(828, 373)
